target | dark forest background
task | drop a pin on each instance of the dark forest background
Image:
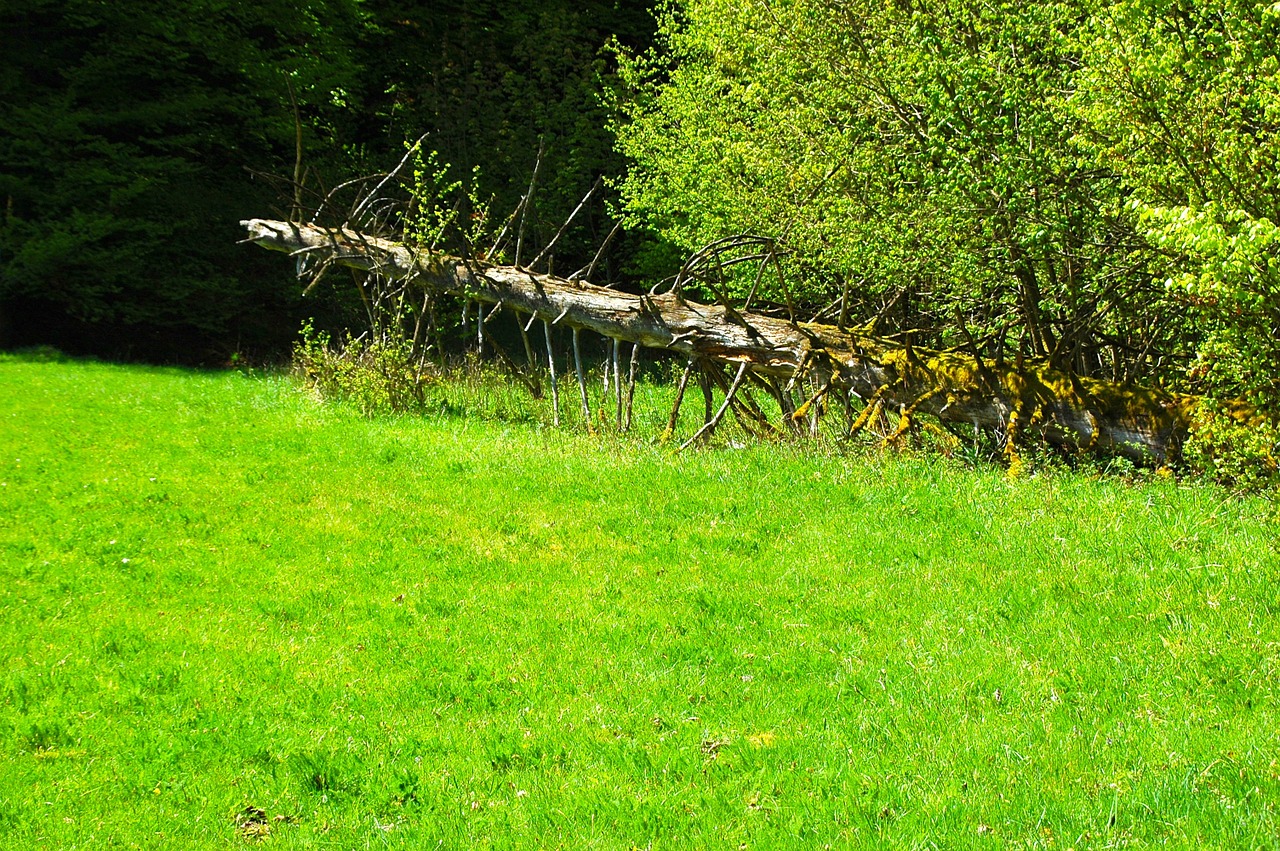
(135, 135)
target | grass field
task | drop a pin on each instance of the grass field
(232, 615)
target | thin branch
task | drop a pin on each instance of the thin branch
(631, 385)
(582, 378)
(590, 268)
(533, 264)
(675, 408)
(372, 196)
(528, 201)
(528, 353)
(297, 154)
(709, 426)
(555, 388)
(617, 379)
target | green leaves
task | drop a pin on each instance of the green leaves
(130, 131)
(1182, 101)
(1041, 169)
(922, 150)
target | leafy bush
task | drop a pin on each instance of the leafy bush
(379, 376)
(1238, 450)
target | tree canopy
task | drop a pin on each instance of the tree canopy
(137, 134)
(1087, 182)
(1092, 183)
(129, 128)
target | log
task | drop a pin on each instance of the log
(1035, 400)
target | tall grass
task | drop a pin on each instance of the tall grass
(231, 614)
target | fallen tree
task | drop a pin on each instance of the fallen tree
(1018, 401)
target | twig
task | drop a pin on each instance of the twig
(800, 371)
(297, 154)
(782, 282)
(315, 217)
(372, 196)
(590, 268)
(708, 427)
(708, 398)
(533, 264)
(582, 379)
(874, 404)
(617, 379)
(502, 234)
(884, 311)
(528, 200)
(509, 363)
(317, 276)
(745, 410)
(986, 373)
(804, 409)
(631, 385)
(528, 353)
(675, 408)
(685, 335)
(907, 417)
(418, 328)
(555, 388)
(764, 264)
(816, 409)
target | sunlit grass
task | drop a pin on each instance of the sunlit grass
(229, 613)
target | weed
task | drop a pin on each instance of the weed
(47, 736)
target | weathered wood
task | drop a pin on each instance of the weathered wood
(1147, 424)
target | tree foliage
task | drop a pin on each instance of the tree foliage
(1182, 101)
(1084, 181)
(493, 83)
(129, 127)
(137, 134)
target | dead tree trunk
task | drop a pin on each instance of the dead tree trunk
(1036, 401)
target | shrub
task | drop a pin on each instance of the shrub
(1237, 449)
(379, 376)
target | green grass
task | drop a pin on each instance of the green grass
(217, 594)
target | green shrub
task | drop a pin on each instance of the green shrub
(379, 376)
(1239, 451)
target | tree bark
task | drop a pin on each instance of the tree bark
(1034, 401)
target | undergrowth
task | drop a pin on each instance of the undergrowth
(381, 375)
(388, 379)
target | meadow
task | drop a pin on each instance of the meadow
(233, 615)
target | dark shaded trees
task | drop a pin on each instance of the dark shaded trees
(492, 82)
(128, 129)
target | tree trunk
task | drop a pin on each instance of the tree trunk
(1145, 424)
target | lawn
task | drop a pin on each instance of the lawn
(232, 615)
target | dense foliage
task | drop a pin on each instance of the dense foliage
(129, 128)
(1088, 182)
(493, 82)
(137, 134)
(1182, 101)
